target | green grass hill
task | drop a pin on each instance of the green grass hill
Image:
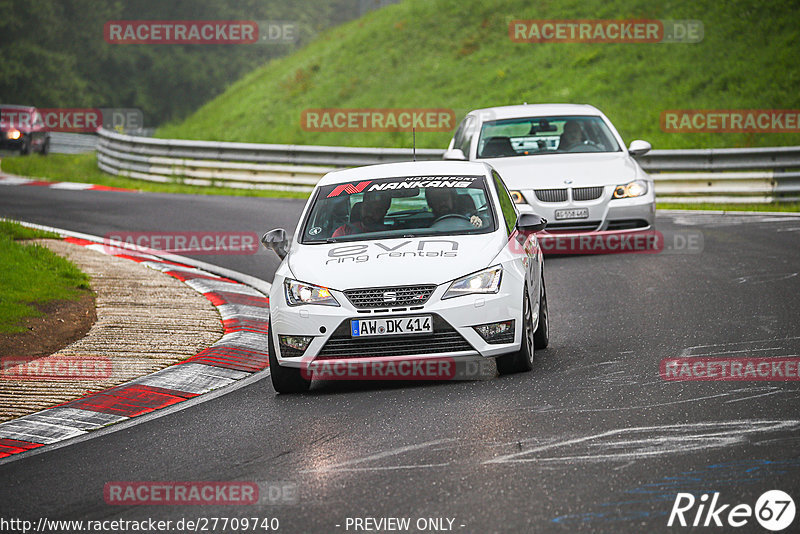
(457, 54)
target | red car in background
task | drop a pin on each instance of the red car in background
(22, 128)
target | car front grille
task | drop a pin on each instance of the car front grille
(444, 339)
(389, 297)
(587, 193)
(551, 195)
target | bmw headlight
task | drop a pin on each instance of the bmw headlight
(486, 281)
(298, 293)
(635, 188)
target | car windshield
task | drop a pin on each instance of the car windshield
(399, 207)
(15, 117)
(534, 136)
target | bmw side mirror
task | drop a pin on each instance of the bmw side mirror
(639, 148)
(528, 222)
(277, 241)
(455, 154)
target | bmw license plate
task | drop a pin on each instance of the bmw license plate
(582, 213)
(389, 326)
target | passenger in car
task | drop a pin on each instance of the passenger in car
(366, 216)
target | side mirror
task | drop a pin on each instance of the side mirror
(528, 222)
(277, 241)
(639, 148)
(455, 154)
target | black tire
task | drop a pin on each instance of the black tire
(522, 360)
(25, 148)
(285, 379)
(45, 147)
(541, 338)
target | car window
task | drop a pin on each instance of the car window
(399, 207)
(466, 139)
(506, 204)
(464, 135)
(533, 136)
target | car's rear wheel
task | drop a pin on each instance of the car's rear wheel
(25, 147)
(521, 360)
(45, 147)
(541, 337)
(285, 379)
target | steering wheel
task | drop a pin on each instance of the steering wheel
(451, 215)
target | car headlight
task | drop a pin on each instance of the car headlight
(486, 281)
(517, 197)
(14, 134)
(635, 188)
(298, 293)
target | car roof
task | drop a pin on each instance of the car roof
(15, 106)
(536, 110)
(407, 168)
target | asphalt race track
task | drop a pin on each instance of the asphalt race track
(592, 440)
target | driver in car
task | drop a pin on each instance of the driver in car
(443, 201)
(372, 212)
(573, 136)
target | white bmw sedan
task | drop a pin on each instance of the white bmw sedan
(564, 162)
(406, 262)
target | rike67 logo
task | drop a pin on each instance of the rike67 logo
(774, 510)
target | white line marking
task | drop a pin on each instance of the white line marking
(718, 434)
(756, 396)
(379, 455)
(687, 350)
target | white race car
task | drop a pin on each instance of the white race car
(564, 162)
(406, 262)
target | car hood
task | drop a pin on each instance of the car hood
(390, 262)
(553, 170)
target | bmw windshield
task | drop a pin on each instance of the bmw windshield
(399, 207)
(533, 136)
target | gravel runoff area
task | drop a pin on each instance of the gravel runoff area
(146, 320)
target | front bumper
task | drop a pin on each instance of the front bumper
(11, 144)
(453, 320)
(604, 213)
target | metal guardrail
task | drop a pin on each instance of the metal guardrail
(72, 143)
(702, 175)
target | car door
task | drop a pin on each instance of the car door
(527, 249)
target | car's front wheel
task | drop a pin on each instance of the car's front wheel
(25, 147)
(541, 338)
(521, 360)
(285, 379)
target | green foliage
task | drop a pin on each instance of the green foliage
(31, 273)
(54, 53)
(16, 231)
(457, 54)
